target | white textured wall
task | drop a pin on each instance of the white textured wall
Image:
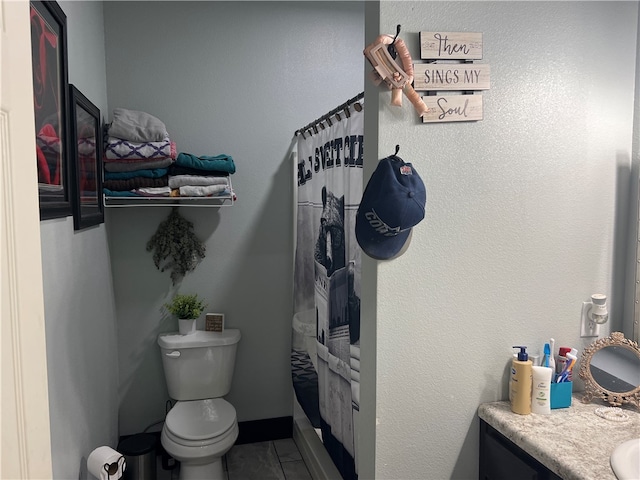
(224, 81)
(520, 226)
(632, 315)
(78, 294)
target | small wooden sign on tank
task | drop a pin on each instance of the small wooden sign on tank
(451, 70)
(214, 322)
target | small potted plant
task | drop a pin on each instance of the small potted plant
(187, 308)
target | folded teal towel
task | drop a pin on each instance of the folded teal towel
(147, 173)
(116, 193)
(219, 163)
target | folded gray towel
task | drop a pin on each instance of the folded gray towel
(136, 126)
(203, 191)
(177, 181)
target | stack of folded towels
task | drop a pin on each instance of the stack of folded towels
(137, 155)
(204, 176)
(140, 160)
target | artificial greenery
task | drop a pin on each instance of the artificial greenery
(176, 247)
(186, 306)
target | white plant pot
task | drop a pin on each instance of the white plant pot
(187, 326)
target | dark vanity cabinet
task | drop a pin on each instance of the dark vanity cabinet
(501, 459)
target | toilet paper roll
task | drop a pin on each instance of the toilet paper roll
(106, 464)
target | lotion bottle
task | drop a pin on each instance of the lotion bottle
(521, 382)
(541, 397)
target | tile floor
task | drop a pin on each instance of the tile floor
(273, 460)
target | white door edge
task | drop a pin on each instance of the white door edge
(25, 444)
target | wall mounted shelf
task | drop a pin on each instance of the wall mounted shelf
(141, 201)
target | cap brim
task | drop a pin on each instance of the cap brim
(387, 249)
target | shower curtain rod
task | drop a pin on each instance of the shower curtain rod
(327, 115)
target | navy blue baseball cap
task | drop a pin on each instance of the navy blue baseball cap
(393, 202)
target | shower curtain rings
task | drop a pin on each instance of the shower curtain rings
(313, 126)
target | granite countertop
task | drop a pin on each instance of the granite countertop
(573, 442)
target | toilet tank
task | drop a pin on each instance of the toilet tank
(199, 365)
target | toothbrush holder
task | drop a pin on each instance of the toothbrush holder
(561, 394)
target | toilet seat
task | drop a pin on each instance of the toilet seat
(201, 422)
(211, 445)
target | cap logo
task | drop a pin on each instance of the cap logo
(406, 170)
(379, 226)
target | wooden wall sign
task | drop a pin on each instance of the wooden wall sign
(453, 108)
(450, 76)
(450, 45)
(452, 71)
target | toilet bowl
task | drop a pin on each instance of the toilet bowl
(198, 433)
(202, 426)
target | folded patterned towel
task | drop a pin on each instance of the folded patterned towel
(136, 126)
(220, 163)
(130, 166)
(118, 149)
(150, 173)
(204, 191)
(183, 180)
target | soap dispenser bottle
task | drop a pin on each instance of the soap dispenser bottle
(521, 383)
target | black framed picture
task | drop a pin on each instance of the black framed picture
(86, 160)
(50, 84)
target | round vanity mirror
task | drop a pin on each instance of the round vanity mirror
(610, 368)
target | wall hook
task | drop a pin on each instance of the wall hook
(391, 48)
(397, 32)
(397, 150)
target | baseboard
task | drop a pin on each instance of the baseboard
(248, 432)
(315, 456)
(255, 430)
(265, 430)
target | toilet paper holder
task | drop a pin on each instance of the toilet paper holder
(115, 467)
(105, 463)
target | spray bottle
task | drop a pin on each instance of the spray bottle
(521, 382)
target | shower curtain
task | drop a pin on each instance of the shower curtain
(326, 323)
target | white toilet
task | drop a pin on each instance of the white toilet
(202, 426)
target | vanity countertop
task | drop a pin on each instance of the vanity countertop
(573, 442)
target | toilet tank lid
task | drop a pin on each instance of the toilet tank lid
(199, 338)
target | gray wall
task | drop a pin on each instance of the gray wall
(79, 306)
(227, 82)
(522, 219)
